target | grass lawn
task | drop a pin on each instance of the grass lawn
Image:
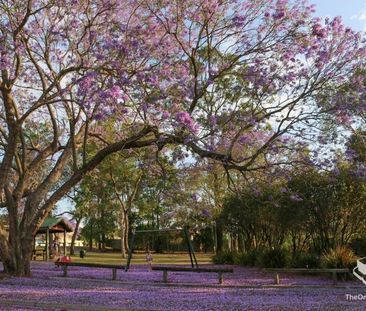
(139, 258)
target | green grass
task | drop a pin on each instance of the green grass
(116, 258)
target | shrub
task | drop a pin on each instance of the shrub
(275, 258)
(225, 257)
(306, 261)
(358, 246)
(251, 258)
(340, 257)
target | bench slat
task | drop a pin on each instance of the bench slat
(93, 265)
(162, 268)
(291, 270)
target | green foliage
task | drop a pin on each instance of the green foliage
(357, 144)
(251, 258)
(313, 211)
(340, 257)
(358, 246)
(275, 258)
(225, 257)
(305, 260)
(256, 216)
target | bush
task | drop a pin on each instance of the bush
(340, 257)
(225, 257)
(251, 258)
(275, 258)
(358, 246)
(305, 261)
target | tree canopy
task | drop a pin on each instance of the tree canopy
(227, 80)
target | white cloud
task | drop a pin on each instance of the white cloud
(361, 16)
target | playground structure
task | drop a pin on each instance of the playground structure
(185, 233)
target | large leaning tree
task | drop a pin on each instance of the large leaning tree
(213, 76)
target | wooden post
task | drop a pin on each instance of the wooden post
(47, 244)
(64, 242)
(64, 268)
(221, 277)
(114, 273)
(165, 276)
(277, 279)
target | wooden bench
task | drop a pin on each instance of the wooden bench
(65, 265)
(334, 272)
(165, 270)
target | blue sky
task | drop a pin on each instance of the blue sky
(353, 12)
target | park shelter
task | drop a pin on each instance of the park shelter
(52, 225)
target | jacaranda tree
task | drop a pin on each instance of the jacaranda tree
(214, 76)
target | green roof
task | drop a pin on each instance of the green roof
(51, 222)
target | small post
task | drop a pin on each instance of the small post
(64, 268)
(114, 273)
(64, 242)
(277, 279)
(165, 276)
(221, 277)
(47, 244)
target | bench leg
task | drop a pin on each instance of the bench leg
(277, 279)
(64, 268)
(165, 276)
(221, 277)
(114, 273)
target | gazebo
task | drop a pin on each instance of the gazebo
(53, 225)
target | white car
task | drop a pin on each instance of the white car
(360, 270)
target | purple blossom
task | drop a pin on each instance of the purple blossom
(213, 120)
(165, 115)
(360, 172)
(185, 119)
(351, 154)
(319, 31)
(279, 14)
(206, 213)
(115, 92)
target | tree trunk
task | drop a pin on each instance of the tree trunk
(124, 233)
(91, 238)
(25, 218)
(127, 228)
(16, 252)
(220, 235)
(74, 235)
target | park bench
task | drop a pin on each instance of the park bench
(65, 265)
(165, 270)
(334, 272)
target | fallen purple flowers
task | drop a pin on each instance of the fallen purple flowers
(46, 285)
